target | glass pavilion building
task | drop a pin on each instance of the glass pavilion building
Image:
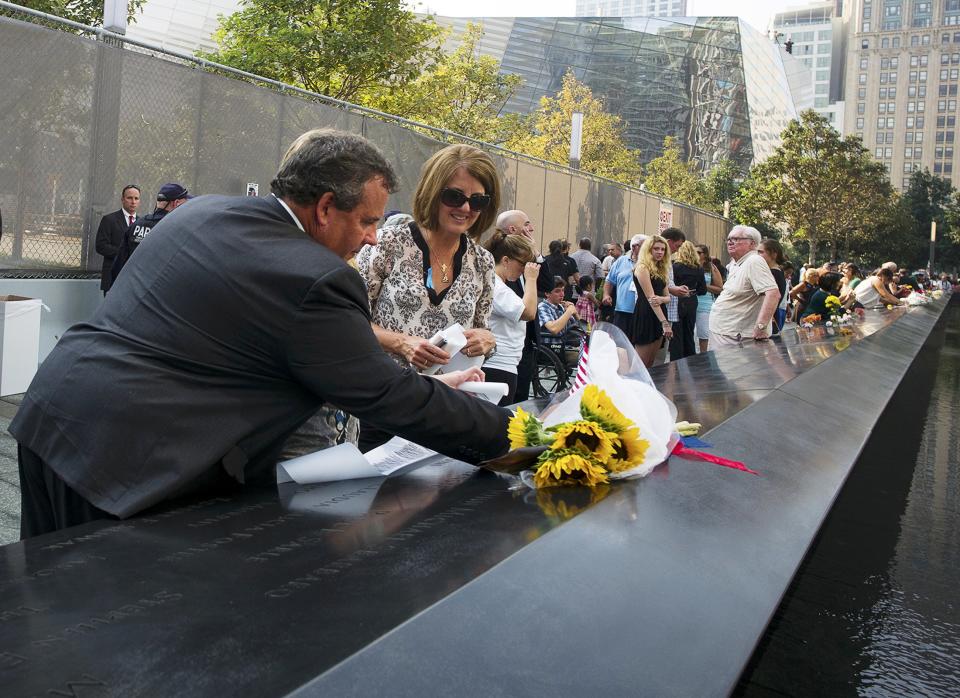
(720, 87)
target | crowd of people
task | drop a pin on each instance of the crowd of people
(237, 329)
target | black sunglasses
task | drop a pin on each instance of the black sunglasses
(456, 198)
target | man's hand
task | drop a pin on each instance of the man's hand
(760, 335)
(421, 353)
(479, 342)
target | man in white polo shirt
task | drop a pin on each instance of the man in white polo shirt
(750, 295)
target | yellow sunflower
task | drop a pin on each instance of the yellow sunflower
(566, 502)
(525, 430)
(583, 436)
(568, 467)
(596, 406)
(629, 450)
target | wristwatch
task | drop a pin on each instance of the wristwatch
(761, 327)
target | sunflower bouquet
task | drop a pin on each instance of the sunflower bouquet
(601, 445)
(613, 425)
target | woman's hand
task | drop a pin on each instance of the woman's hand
(531, 271)
(458, 378)
(607, 299)
(480, 342)
(657, 300)
(420, 353)
(668, 330)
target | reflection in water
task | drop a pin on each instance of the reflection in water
(873, 609)
(912, 633)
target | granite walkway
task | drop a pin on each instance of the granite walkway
(9, 476)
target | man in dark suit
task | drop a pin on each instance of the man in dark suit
(111, 230)
(226, 331)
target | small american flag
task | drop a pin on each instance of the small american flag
(582, 376)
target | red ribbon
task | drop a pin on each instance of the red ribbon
(691, 454)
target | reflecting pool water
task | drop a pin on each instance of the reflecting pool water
(874, 609)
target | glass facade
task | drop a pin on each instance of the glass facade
(714, 83)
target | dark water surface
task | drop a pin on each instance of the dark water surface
(875, 608)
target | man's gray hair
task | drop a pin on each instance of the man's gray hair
(325, 160)
(508, 218)
(747, 231)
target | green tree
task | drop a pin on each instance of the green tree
(462, 92)
(340, 48)
(892, 239)
(83, 11)
(931, 198)
(671, 176)
(722, 183)
(546, 134)
(817, 187)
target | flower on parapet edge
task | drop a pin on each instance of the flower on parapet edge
(629, 450)
(568, 467)
(525, 430)
(588, 437)
(596, 406)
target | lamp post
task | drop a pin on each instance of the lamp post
(933, 244)
(576, 139)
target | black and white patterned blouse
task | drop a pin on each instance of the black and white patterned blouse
(395, 273)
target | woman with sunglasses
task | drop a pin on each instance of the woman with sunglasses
(430, 273)
(515, 257)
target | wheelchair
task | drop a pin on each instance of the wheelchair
(555, 364)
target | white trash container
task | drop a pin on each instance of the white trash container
(19, 342)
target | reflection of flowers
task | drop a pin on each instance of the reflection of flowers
(833, 304)
(581, 452)
(565, 503)
(568, 467)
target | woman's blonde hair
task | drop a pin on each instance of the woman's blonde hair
(438, 170)
(687, 254)
(656, 269)
(812, 276)
(514, 246)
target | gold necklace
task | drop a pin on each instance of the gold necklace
(444, 278)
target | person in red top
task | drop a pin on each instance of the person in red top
(587, 302)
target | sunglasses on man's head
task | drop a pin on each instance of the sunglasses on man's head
(456, 198)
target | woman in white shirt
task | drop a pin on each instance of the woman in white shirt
(514, 257)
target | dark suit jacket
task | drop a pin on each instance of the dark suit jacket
(109, 236)
(223, 334)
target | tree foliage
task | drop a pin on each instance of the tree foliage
(341, 48)
(930, 198)
(817, 187)
(545, 134)
(88, 12)
(722, 184)
(462, 92)
(671, 176)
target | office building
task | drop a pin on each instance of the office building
(903, 75)
(814, 34)
(181, 25)
(631, 8)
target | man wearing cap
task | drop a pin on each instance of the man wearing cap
(169, 197)
(111, 231)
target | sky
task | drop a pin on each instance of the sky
(756, 12)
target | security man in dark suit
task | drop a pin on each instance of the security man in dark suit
(169, 197)
(111, 230)
(227, 330)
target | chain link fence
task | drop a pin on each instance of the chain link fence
(84, 113)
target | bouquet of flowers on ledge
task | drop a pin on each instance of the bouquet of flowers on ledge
(613, 424)
(601, 445)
